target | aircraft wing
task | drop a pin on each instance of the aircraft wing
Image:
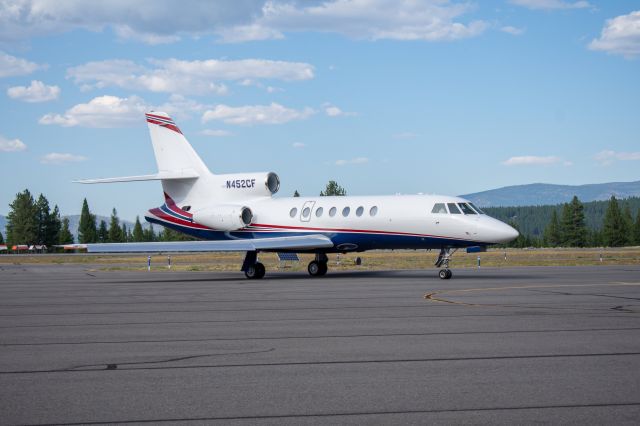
(302, 242)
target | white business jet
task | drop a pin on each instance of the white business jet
(237, 212)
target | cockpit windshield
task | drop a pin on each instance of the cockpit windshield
(476, 208)
(466, 209)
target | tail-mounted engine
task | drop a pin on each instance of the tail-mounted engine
(224, 217)
(249, 184)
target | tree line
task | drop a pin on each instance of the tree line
(575, 224)
(595, 224)
(33, 222)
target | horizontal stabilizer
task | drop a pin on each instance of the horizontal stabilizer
(303, 242)
(165, 175)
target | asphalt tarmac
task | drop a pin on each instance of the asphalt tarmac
(499, 346)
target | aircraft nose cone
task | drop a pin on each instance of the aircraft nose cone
(506, 233)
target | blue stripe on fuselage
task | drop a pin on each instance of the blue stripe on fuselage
(364, 241)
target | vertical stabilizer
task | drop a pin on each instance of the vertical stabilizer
(174, 155)
(172, 150)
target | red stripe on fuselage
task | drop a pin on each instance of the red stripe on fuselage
(162, 215)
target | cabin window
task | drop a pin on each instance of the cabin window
(332, 212)
(319, 212)
(186, 208)
(346, 211)
(439, 208)
(453, 209)
(359, 211)
(476, 208)
(466, 209)
(293, 212)
(306, 212)
(373, 211)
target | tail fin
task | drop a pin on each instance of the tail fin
(182, 172)
(172, 150)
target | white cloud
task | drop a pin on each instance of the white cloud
(151, 21)
(607, 157)
(512, 30)
(36, 92)
(298, 145)
(357, 160)
(431, 20)
(165, 21)
(256, 114)
(11, 145)
(186, 77)
(334, 111)
(12, 66)
(620, 35)
(552, 4)
(60, 158)
(527, 160)
(102, 112)
(216, 133)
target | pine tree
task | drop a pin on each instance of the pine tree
(138, 234)
(636, 230)
(103, 232)
(87, 228)
(296, 193)
(574, 230)
(627, 224)
(149, 234)
(66, 237)
(1, 238)
(613, 226)
(126, 236)
(22, 221)
(115, 232)
(333, 188)
(552, 234)
(53, 227)
(42, 217)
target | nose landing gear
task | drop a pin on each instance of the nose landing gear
(445, 274)
(443, 261)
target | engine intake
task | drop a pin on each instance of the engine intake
(224, 217)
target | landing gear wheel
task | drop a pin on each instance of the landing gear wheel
(255, 271)
(323, 269)
(445, 274)
(317, 269)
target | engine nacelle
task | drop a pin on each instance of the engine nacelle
(224, 217)
(249, 184)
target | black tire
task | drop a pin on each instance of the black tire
(323, 269)
(260, 270)
(255, 272)
(449, 274)
(442, 273)
(314, 268)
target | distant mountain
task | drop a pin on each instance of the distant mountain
(537, 194)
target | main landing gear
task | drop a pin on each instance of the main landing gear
(253, 269)
(443, 261)
(318, 267)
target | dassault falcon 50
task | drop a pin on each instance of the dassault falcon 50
(237, 212)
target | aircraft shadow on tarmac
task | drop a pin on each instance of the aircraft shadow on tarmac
(396, 275)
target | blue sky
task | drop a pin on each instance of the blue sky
(383, 96)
